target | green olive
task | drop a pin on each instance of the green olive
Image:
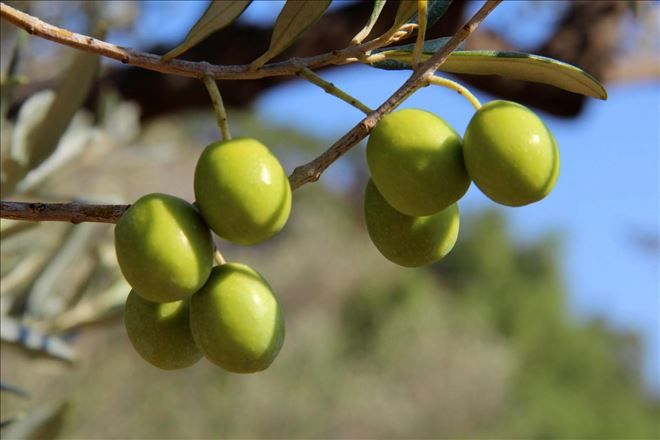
(242, 190)
(236, 320)
(405, 240)
(510, 154)
(416, 162)
(164, 248)
(160, 332)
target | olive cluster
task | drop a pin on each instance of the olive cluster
(420, 168)
(181, 307)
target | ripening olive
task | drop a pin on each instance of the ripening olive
(416, 162)
(160, 332)
(242, 190)
(164, 248)
(236, 320)
(406, 240)
(510, 154)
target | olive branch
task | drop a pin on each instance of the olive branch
(310, 172)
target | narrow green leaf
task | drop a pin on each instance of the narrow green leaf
(436, 9)
(375, 13)
(407, 9)
(512, 65)
(218, 15)
(294, 19)
(398, 57)
(526, 67)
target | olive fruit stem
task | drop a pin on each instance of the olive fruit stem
(422, 10)
(330, 88)
(218, 106)
(218, 257)
(464, 92)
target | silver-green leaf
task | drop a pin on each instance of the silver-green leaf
(295, 18)
(398, 57)
(436, 9)
(512, 65)
(218, 15)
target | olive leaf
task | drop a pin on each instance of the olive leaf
(512, 65)
(41, 135)
(59, 284)
(407, 9)
(294, 19)
(218, 15)
(375, 13)
(91, 310)
(10, 77)
(435, 10)
(398, 57)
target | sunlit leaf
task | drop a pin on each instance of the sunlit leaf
(61, 280)
(10, 77)
(294, 19)
(512, 65)
(74, 87)
(30, 118)
(28, 264)
(218, 15)
(103, 306)
(38, 142)
(375, 13)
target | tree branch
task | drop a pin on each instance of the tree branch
(303, 174)
(311, 171)
(330, 88)
(61, 212)
(150, 61)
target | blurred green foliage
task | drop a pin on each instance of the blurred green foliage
(480, 345)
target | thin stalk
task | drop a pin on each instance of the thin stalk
(218, 106)
(330, 88)
(218, 257)
(444, 82)
(422, 9)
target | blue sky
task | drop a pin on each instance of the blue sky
(606, 198)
